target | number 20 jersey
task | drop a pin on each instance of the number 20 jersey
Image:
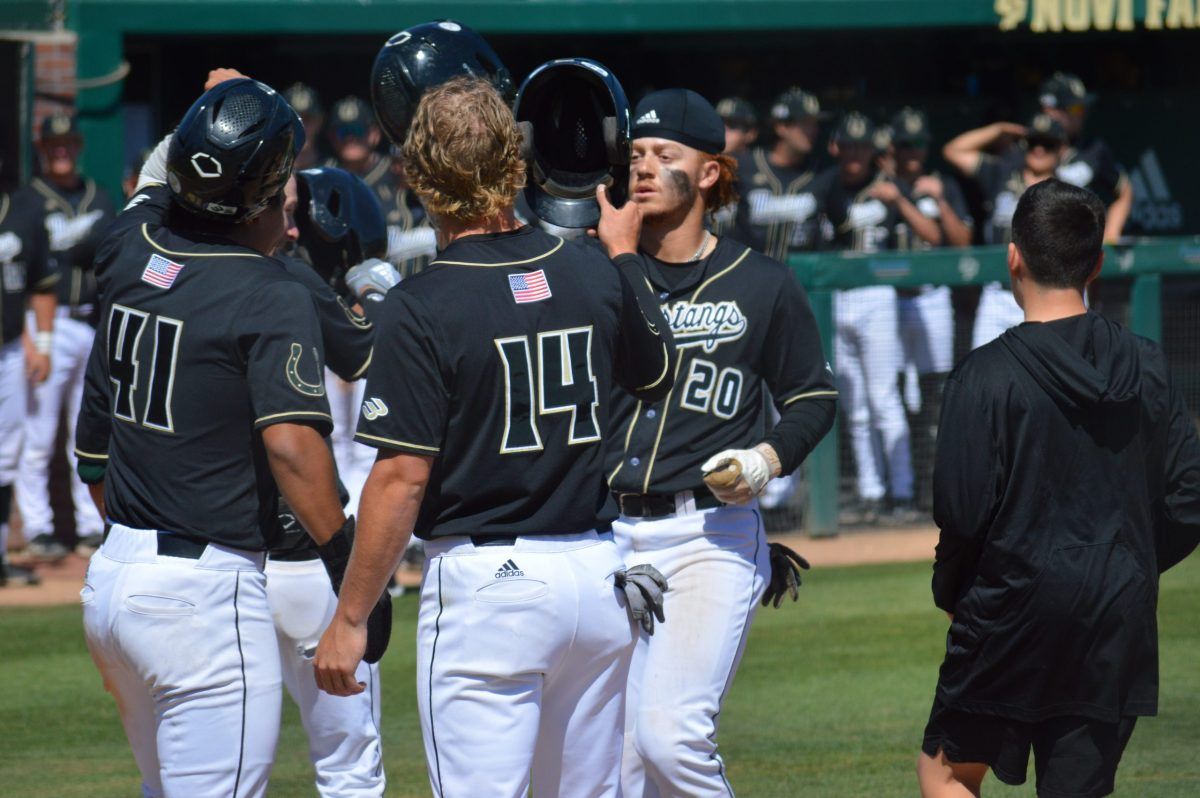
(201, 345)
(498, 360)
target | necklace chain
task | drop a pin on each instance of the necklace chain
(700, 251)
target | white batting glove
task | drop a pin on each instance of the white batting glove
(756, 467)
(372, 276)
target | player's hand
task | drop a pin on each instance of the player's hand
(338, 654)
(220, 75)
(372, 278)
(644, 587)
(929, 186)
(619, 228)
(785, 575)
(37, 366)
(885, 191)
(735, 476)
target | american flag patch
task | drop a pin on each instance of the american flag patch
(161, 272)
(531, 287)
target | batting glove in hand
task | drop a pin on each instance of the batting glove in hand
(644, 587)
(785, 575)
(335, 554)
(735, 476)
(372, 276)
(379, 629)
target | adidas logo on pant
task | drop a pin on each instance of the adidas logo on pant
(508, 570)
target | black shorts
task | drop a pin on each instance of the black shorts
(1073, 757)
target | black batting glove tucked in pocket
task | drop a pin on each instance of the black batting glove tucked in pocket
(785, 575)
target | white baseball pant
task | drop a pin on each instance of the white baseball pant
(717, 566)
(12, 422)
(868, 357)
(354, 460)
(997, 311)
(68, 361)
(343, 733)
(188, 650)
(522, 659)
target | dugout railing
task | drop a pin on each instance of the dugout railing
(1152, 286)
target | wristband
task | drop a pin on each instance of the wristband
(43, 342)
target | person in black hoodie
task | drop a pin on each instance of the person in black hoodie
(1077, 484)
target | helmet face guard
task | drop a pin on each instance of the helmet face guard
(576, 124)
(421, 57)
(233, 152)
(340, 221)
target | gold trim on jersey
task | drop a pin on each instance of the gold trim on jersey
(546, 254)
(90, 455)
(160, 248)
(5, 204)
(46, 190)
(779, 234)
(363, 368)
(678, 364)
(293, 414)
(666, 366)
(433, 449)
(811, 395)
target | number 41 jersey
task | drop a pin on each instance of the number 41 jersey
(200, 346)
(498, 360)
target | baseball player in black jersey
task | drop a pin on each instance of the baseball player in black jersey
(28, 276)
(203, 397)
(744, 333)
(1088, 162)
(741, 131)
(77, 213)
(488, 401)
(777, 212)
(307, 104)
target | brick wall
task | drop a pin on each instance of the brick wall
(54, 76)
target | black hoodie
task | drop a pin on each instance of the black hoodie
(1067, 479)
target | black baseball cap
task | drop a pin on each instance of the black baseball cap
(1045, 128)
(795, 104)
(57, 125)
(304, 100)
(855, 128)
(735, 110)
(910, 128)
(680, 115)
(351, 117)
(1063, 91)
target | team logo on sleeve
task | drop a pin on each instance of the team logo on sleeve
(374, 408)
(530, 287)
(161, 272)
(293, 373)
(705, 324)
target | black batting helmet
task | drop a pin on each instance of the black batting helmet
(576, 122)
(233, 151)
(427, 55)
(340, 221)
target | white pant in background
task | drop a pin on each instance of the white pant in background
(68, 361)
(12, 422)
(343, 733)
(717, 565)
(868, 357)
(997, 311)
(188, 650)
(354, 460)
(522, 659)
(927, 333)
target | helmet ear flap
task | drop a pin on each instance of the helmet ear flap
(526, 129)
(612, 141)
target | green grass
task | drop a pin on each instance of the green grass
(830, 700)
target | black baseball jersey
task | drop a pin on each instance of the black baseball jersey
(76, 221)
(1001, 182)
(25, 261)
(742, 325)
(930, 208)
(412, 243)
(201, 345)
(1093, 165)
(498, 359)
(860, 222)
(347, 334)
(777, 209)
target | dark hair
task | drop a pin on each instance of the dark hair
(1059, 230)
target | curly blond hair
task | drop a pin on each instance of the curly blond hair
(462, 154)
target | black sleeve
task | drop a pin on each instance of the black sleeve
(989, 174)
(1109, 175)
(148, 206)
(406, 402)
(43, 273)
(284, 356)
(794, 367)
(1178, 532)
(966, 485)
(645, 349)
(94, 425)
(346, 335)
(953, 194)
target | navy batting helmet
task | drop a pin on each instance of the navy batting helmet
(340, 221)
(427, 55)
(233, 151)
(576, 122)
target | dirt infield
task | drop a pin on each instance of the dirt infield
(61, 581)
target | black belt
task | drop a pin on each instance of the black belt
(175, 546)
(658, 505)
(304, 554)
(489, 540)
